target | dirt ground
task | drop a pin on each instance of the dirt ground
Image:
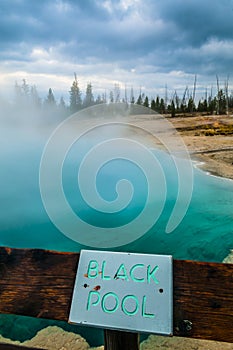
(209, 139)
(215, 150)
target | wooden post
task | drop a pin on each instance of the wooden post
(118, 340)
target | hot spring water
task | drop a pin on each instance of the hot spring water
(205, 233)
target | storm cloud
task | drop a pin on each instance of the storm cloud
(141, 43)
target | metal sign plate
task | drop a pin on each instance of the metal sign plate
(125, 291)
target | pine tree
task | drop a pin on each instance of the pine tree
(183, 107)
(146, 102)
(222, 102)
(35, 99)
(139, 100)
(230, 100)
(152, 105)
(200, 106)
(98, 100)
(212, 105)
(173, 109)
(191, 105)
(162, 106)
(25, 88)
(62, 108)
(89, 98)
(111, 97)
(75, 96)
(157, 104)
(205, 105)
(62, 103)
(50, 100)
(50, 107)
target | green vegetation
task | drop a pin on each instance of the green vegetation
(210, 129)
(27, 96)
(219, 129)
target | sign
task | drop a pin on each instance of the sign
(124, 291)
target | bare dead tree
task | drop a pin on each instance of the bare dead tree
(227, 96)
(132, 98)
(165, 98)
(126, 96)
(176, 100)
(217, 80)
(184, 102)
(194, 91)
(117, 92)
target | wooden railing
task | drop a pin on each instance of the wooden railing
(39, 283)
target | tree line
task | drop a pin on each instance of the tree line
(27, 96)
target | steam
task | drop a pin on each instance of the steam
(38, 146)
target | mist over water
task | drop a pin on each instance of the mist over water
(205, 233)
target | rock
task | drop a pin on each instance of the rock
(9, 341)
(177, 343)
(55, 338)
(229, 258)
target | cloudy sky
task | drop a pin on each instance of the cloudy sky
(139, 43)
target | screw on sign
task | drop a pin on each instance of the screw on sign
(123, 291)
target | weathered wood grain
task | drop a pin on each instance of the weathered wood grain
(37, 283)
(203, 295)
(40, 283)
